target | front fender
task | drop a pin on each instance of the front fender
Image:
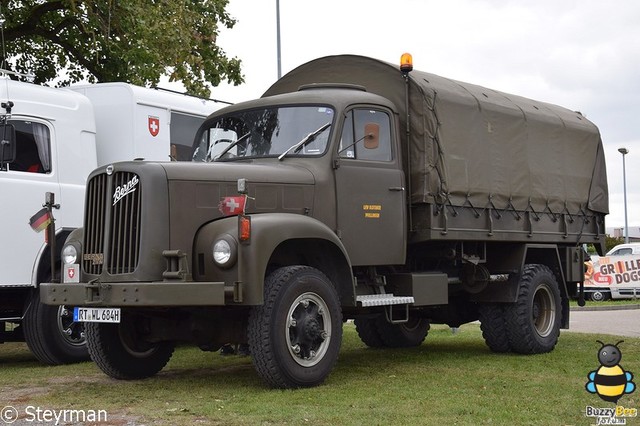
(289, 237)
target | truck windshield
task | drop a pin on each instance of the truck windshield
(267, 132)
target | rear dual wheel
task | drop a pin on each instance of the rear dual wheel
(531, 324)
(494, 327)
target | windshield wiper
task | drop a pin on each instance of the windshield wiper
(310, 137)
(231, 145)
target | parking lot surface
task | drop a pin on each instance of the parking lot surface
(623, 322)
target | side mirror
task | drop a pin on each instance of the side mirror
(7, 144)
(372, 135)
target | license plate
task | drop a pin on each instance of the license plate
(111, 315)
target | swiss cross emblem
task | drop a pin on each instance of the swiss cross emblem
(232, 205)
(71, 272)
(154, 125)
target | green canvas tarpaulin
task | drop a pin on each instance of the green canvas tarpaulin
(473, 146)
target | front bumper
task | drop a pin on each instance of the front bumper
(136, 294)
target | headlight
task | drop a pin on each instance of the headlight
(69, 254)
(225, 251)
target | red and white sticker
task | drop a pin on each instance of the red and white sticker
(71, 273)
(154, 125)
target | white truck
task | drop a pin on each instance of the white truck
(51, 140)
(615, 275)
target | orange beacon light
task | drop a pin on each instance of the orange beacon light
(406, 63)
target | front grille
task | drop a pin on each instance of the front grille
(94, 229)
(112, 224)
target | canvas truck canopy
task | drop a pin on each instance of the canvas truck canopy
(474, 146)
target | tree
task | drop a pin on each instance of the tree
(611, 242)
(137, 41)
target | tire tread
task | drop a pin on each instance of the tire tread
(520, 330)
(261, 319)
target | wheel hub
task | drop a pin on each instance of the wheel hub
(72, 332)
(308, 329)
(543, 311)
(311, 329)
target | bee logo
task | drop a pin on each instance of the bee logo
(610, 381)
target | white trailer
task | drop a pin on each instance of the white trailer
(61, 135)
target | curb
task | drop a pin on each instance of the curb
(606, 308)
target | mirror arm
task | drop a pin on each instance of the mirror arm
(370, 136)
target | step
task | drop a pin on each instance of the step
(383, 300)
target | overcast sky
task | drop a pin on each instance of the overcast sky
(583, 55)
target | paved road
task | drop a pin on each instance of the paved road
(623, 322)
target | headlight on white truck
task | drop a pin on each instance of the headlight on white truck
(225, 251)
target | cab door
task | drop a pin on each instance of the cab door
(370, 189)
(23, 184)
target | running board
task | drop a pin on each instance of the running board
(383, 300)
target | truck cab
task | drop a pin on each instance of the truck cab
(350, 146)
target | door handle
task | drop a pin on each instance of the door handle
(396, 188)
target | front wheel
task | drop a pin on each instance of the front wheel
(295, 336)
(533, 321)
(120, 351)
(51, 334)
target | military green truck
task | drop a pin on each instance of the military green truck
(352, 190)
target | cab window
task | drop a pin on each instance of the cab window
(356, 132)
(33, 147)
(621, 252)
(183, 132)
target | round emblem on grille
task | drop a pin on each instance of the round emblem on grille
(110, 169)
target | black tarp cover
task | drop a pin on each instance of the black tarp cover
(470, 145)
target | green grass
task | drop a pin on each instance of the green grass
(618, 302)
(450, 379)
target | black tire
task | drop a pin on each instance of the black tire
(600, 295)
(295, 336)
(367, 329)
(51, 334)
(404, 335)
(533, 321)
(493, 326)
(120, 353)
